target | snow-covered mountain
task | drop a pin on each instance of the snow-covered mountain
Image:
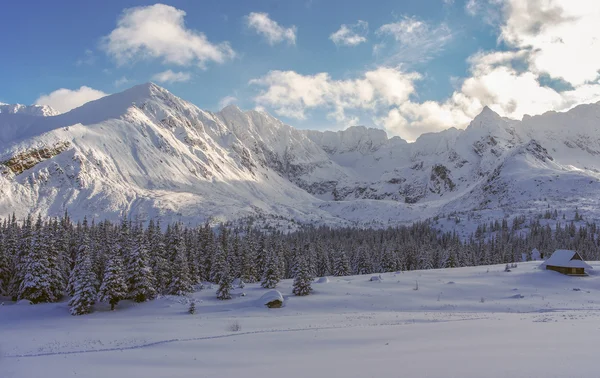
(36, 110)
(152, 154)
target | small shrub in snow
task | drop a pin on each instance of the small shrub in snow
(192, 309)
(482, 300)
(416, 285)
(235, 326)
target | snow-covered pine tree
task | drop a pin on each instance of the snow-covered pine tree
(364, 263)
(180, 279)
(158, 262)
(248, 271)
(139, 277)
(342, 265)
(114, 287)
(35, 270)
(219, 263)
(57, 278)
(225, 284)
(303, 279)
(323, 265)
(82, 280)
(388, 260)
(5, 270)
(23, 244)
(271, 272)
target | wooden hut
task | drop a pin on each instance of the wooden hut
(567, 262)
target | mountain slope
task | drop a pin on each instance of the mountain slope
(153, 155)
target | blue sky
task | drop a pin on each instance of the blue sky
(413, 67)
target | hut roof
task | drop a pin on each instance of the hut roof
(566, 258)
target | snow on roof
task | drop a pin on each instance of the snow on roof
(566, 258)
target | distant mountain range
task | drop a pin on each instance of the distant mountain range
(153, 155)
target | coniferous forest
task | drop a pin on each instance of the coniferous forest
(48, 260)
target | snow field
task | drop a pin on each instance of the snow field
(530, 323)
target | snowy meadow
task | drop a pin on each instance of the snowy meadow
(456, 322)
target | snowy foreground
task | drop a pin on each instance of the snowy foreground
(466, 322)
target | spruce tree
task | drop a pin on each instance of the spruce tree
(180, 280)
(158, 262)
(114, 287)
(271, 272)
(83, 281)
(140, 280)
(219, 263)
(35, 270)
(303, 279)
(57, 277)
(342, 265)
(225, 284)
(5, 270)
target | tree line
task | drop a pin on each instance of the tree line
(44, 260)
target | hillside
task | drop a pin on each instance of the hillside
(153, 155)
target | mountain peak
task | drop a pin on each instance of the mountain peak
(34, 110)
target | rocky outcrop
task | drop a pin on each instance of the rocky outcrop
(30, 158)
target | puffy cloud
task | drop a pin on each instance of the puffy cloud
(271, 30)
(414, 41)
(291, 94)
(64, 99)
(169, 76)
(227, 100)
(159, 32)
(351, 35)
(545, 42)
(562, 36)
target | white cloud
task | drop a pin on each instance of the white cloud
(227, 100)
(562, 36)
(120, 82)
(414, 41)
(159, 32)
(489, 11)
(291, 94)
(555, 39)
(169, 76)
(271, 30)
(64, 99)
(351, 35)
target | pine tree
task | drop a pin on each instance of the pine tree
(114, 287)
(342, 265)
(225, 284)
(180, 279)
(219, 263)
(35, 270)
(303, 279)
(83, 281)
(158, 262)
(140, 280)
(57, 278)
(5, 270)
(271, 272)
